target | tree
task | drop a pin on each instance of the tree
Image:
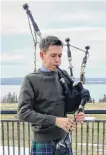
(9, 98)
(93, 100)
(104, 98)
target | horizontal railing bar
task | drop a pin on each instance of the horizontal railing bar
(85, 111)
(92, 112)
(8, 112)
(16, 120)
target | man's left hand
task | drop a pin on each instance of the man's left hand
(79, 117)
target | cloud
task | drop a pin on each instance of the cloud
(13, 58)
(83, 22)
(17, 56)
(81, 13)
(80, 37)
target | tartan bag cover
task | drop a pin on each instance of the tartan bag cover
(49, 148)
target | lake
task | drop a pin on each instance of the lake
(97, 91)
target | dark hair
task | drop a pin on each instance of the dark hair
(49, 40)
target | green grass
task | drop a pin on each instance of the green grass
(91, 106)
(9, 106)
(95, 106)
(87, 131)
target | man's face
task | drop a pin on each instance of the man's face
(52, 57)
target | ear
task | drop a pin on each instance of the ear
(42, 55)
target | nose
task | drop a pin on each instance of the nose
(57, 59)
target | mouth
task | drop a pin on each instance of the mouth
(56, 65)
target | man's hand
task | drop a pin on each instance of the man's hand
(66, 124)
(79, 117)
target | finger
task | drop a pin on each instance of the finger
(68, 127)
(66, 130)
(80, 113)
(72, 125)
(71, 121)
(79, 117)
(71, 128)
(81, 122)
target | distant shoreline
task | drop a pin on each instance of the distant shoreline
(18, 81)
(20, 84)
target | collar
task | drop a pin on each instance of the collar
(44, 69)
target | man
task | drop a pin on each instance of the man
(42, 103)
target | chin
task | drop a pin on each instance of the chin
(53, 68)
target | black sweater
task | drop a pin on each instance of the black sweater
(41, 99)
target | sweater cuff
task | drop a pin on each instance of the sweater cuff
(50, 119)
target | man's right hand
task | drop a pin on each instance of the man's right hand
(66, 124)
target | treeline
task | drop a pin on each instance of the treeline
(92, 100)
(103, 99)
(12, 98)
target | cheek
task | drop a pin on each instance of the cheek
(46, 59)
(49, 60)
(60, 60)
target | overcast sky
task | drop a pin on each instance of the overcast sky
(84, 22)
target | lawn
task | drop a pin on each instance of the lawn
(90, 106)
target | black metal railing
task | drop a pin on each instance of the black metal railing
(87, 139)
(16, 137)
(85, 111)
(90, 138)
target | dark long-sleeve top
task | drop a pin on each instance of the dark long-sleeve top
(41, 100)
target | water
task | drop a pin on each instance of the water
(97, 91)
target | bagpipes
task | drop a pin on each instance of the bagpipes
(76, 94)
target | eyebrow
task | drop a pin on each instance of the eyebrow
(56, 54)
